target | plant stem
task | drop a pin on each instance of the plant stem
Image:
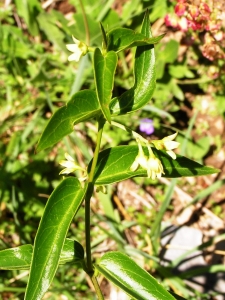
(89, 193)
(97, 288)
(85, 23)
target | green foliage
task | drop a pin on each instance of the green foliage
(19, 258)
(144, 78)
(83, 106)
(120, 269)
(104, 70)
(120, 39)
(114, 165)
(61, 207)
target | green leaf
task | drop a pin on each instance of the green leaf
(144, 78)
(72, 251)
(176, 90)
(165, 54)
(135, 281)
(114, 165)
(159, 9)
(83, 106)
(122, 38)
(180, 71)
(19, 258)
(60, 209)
(104, 70)
(29, 10)
(169, 52)
(78, 29)
(48, 24)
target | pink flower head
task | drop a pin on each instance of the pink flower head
(194, 25)
(193, 10)
(206, 7)
(212, 25)
(211, 49)
(183, 24)
(219, 36)
(205, 11)
(180, 9)
(171, 20)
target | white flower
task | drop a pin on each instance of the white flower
(140, 160)
(70, 167)
(167, 144)
(151, 164)
(78, 48)
(154, 168)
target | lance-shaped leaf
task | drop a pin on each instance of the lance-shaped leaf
(83, 106)
(135, 281)
(114, 165)
(104, 70)
(60, 209)
(119, 39)
(144, 78)
(19, 258)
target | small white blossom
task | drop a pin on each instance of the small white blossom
(140, 160)
(155, 168)
(71, 166)
(151, 164)
(78, 48)
(167, 144)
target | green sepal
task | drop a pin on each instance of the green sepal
(104, 38)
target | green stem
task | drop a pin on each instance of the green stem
(97, 288)
(90, 189)
(85, 23)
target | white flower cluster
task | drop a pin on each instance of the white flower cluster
(151, 163)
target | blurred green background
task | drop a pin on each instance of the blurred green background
(36, 79)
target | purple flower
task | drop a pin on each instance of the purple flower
(146, 126)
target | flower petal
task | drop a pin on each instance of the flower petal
(170, 145)
(66, 171)
(72, 47)
(170, 137)
(75, 40)
(67, 164)
(171, 154)
(75, 57)
(68, 157)
(155, 168)
(134, 166)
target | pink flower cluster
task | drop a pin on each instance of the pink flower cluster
(188, 15)
(200, 17)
